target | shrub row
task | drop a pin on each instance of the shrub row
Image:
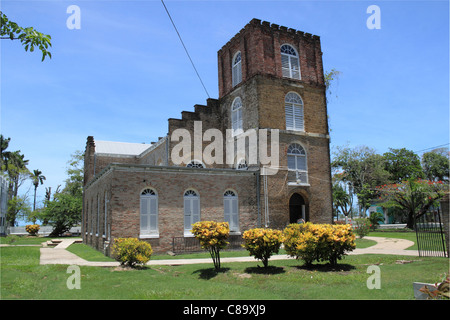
(309, 242)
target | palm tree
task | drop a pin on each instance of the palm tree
(37, 178)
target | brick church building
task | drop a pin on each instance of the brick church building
(271, 87)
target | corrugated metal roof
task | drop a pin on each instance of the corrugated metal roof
(120, 148)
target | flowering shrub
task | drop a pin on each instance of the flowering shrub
(321, 242)
(362, 227)
(213, 237)
(262, 243)
(131, 251)
(32, 229)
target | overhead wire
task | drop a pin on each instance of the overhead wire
(185, 49)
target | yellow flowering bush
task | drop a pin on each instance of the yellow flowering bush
(32, 229)
(262, 243)
(213, 237)
(320, 242)
(131, 251)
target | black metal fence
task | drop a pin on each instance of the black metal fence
(191, 244)
(430, 235)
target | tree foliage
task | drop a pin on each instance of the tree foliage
(435, 166)
(390, 179)
(415, 197)
(64, 211)
(213, 237)
(29, 37)
(402, 164)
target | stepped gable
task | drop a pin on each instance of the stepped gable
(209, 114)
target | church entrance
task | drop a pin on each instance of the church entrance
(297, 209)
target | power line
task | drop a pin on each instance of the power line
(442, 145)
(185, 49)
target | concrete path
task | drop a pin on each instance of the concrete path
(388, 246)
(59, 254)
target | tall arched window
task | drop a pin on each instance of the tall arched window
(231, 210)
(293, 107)
(236, 116)
(149, 213)
(191, 210)
(236, 71)
(290, 64)
(296, 158)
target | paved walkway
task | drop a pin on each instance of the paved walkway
(59, 254)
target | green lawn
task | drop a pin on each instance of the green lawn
(23, 278)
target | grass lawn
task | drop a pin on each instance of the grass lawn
(23, 278)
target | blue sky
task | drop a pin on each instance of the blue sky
(125, 72)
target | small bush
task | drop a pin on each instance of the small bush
(362, 227)
(131, 251)
(262, 243)
(32, 229)
(375, 219)
(213, 237)
(320, 242)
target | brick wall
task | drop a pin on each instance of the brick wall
(126, 182)
(260, 43)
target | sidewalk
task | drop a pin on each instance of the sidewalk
(59, 254)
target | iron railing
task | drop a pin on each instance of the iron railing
(430, 235)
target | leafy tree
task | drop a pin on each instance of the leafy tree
(435, 166)
(18, 208)
(64, 211)
(402, 164)
(213, 237)
(415, 197)
(362, 168)
(13, 163)
(29, 37)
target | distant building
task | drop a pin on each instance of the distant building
(271, 84)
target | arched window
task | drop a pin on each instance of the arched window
(231, 210)
(149, 213)
(236, 116)
(195, 164)
(236, 73)
(293, 107)
(191, 210)
(296, 159)
(290, 65)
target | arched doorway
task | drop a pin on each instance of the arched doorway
(297, 209)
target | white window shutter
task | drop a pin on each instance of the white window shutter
(285, 67)
(195, 210)
(227, 209)
(187, 214)
(145, 203)
(298, 118)
(153, 206)
(291, 162)
(295, 68)
(289, 117)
